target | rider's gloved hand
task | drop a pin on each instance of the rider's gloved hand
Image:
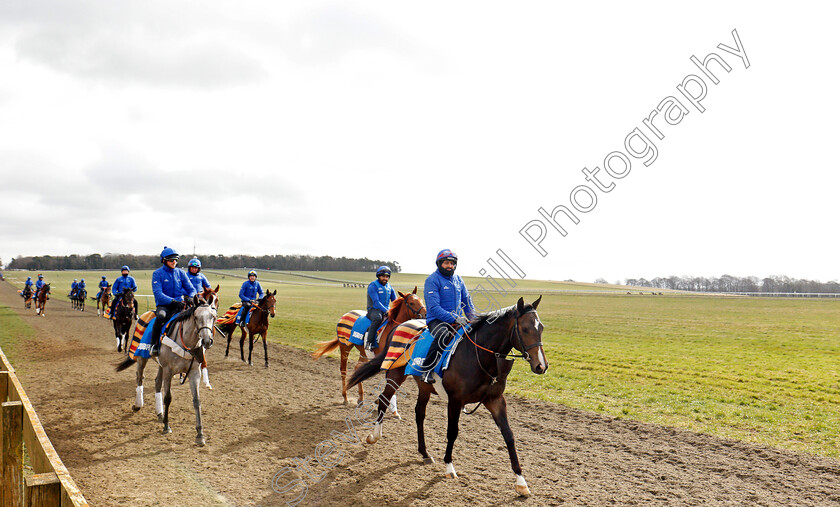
(461, 320)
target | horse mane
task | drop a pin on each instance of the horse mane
(396, 306)
(186, 314)
(485, 319)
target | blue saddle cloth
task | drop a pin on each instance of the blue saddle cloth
(145, 346)
(422, 348)
(360, 328)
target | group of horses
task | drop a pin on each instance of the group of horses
(77, 299)
(477, 371)
(40, 297)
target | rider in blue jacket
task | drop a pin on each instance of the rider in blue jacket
(121, 284)
(40, 283)
(102, 286)
(447, 299)
(169, 286)
(379, 297)
(249, 293)
(27, 283)
(73, 287)
(197, 279)
(81, 289)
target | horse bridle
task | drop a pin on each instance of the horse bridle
(416, 313)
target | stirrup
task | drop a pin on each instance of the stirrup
(155, 350)
(428, 377)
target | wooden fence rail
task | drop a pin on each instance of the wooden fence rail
(49, 484)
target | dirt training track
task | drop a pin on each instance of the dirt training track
(259, 420)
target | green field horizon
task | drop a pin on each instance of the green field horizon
(761, 370)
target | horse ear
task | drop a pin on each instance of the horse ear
(275, 292)
(536, 303)
(216, 290)
(401, 294)
(195, 300)
(415, 290)
(520, 305)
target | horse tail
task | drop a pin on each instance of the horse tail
(125, 364)
(325, 348)
(368, 369)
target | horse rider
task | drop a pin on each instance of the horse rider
(102, 286)
(40, 283)
(27, 283)
(447, 299)
(197, 279)
(169, 285)
(74, 287)
(249, 293)
(121, 284)
(82, 288)
(379, 297)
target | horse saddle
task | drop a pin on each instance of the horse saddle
(421, 349)
(360, 329)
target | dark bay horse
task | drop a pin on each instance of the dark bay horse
(407, 306)
(477, 373)
(257, 326)
(182, 353)
(103, 301)
(124, 316)
(41, 299)
(77, 300)
(27, 296)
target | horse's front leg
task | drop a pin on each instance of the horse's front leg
(167, 399)
(454, 414)
(195, 376)
(420, 417)
(265, 347)
(362, 360)
(498, 407)
(250, 346)
(242, 345)
(159, 394)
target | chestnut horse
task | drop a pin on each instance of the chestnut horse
(41, 299)
(103, 301)
(477, 373)
(257, 326)
(407, 306)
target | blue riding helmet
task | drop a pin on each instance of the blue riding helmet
(252, 272)
(383, 270)
(194, 262)
(75, 279)
(168, 254)
(83, 279)
(28, 278)
(40, 276)
(446, 255)
(124, 268)
(103, 277)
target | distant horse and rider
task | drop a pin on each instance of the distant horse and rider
(189, 334)
(405, 307)
(77, 299)
(41, 298)
(28, 294)
(257, 325)
(477, 373)
(103, 302)
(124, 315)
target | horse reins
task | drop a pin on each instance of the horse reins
(507, 356)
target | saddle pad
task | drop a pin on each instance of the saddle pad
(230, 315)
(360, 329)
(418, 354)
(345, 326)
(403, 338)
(141, 342)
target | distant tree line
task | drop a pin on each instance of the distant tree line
(278, 262)
(727, 283)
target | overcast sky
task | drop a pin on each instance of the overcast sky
(391, 131)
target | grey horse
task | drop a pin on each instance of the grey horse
(181, 352)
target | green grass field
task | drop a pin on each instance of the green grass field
(761, 370)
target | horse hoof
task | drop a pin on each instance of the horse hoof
(266, 365)
(160, 417)
(371, 440)
(398, 416)
(167, 431)
(359, 403)
(199, 441)
(429, 461)
(523, 491)
(346, 402)
(135, 408)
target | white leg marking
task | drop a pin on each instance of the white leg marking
(158, 403)
(522, 486)
(205, 378)
(450, 471)
(138, 402)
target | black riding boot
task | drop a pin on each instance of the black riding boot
(375, 316)
(442, 334)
